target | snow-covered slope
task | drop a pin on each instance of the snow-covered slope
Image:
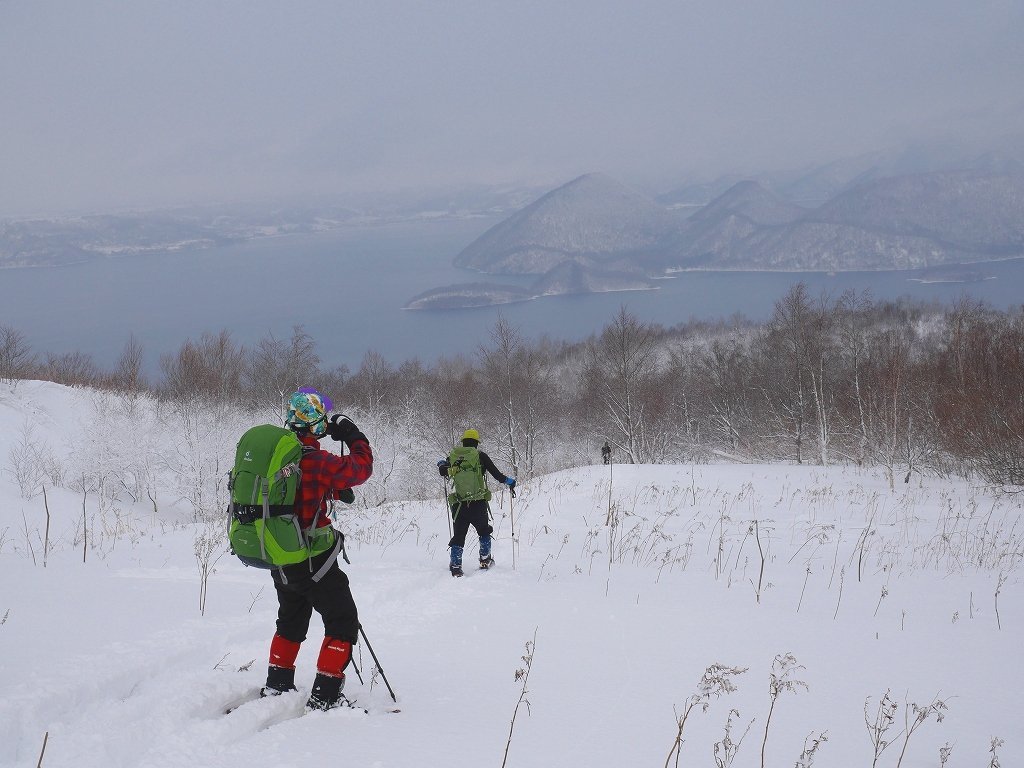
(633, 580)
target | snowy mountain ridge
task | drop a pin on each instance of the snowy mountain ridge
(892, 223)
(588, 218)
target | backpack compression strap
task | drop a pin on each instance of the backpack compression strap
(331, 559)
(339, 542)
(284, 472)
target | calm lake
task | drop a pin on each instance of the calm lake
(347, 288)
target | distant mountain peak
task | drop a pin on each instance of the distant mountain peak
(750, 199)
(583, 220)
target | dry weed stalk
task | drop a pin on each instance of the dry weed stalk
(726, 749)
(878, 727)
(937, 707)
(993, 746)
(522, 674)
(807, 575)
(783, 668)
(885, 718)
(205, 545)
(716, 680)
(999, 588)
(811, 744)
(46, 738)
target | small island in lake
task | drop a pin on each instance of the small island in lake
(565, 279)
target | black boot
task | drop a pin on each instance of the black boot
(326, 693)
(279, 680)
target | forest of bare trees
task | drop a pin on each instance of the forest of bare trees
(906, 386)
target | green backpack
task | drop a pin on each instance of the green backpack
(264, 530)
(467, 476)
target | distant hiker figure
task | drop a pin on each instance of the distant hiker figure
(305, 566)
(465, 467)
(606, 453)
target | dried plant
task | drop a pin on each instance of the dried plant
(881, 597)
(944, 752)
(879, 726)
(811, 744)
(716, 680)
(993, 747)
(937, 707)
(999, 588)
(914, 716)
(522, 675)
(726, 749)
(208, 548)
(783, 668)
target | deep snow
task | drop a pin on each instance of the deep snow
(112, 659)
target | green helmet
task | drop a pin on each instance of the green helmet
(307, 412)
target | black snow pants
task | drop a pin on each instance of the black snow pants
(330, 597)
(469, 513)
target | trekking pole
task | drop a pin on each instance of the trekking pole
(374, 656)
(512, 519)
(359, 674)
(447, 511)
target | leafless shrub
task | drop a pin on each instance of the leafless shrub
(128, 376)
(208, 547)
(31, 463)
(16, 358)
(72, 369)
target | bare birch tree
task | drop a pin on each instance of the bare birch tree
(619, 368)
(16, 358)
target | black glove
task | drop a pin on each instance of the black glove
(341, 428)
(442, 467)
(346, 495)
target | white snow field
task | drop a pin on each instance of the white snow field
(633, 580)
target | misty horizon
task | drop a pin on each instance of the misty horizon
(116, 104)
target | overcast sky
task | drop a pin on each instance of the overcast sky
(106, 103)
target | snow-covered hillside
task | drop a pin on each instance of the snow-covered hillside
(631, 580)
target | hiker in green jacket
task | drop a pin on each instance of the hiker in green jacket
(465, 467)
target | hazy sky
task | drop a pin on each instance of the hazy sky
(106, 103)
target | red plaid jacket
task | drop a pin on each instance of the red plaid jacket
(323, 474)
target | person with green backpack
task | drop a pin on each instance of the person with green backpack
(465, 467)
(280, 486)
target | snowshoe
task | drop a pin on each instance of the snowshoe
(486, 562)
(326, 693)
(279, 680)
